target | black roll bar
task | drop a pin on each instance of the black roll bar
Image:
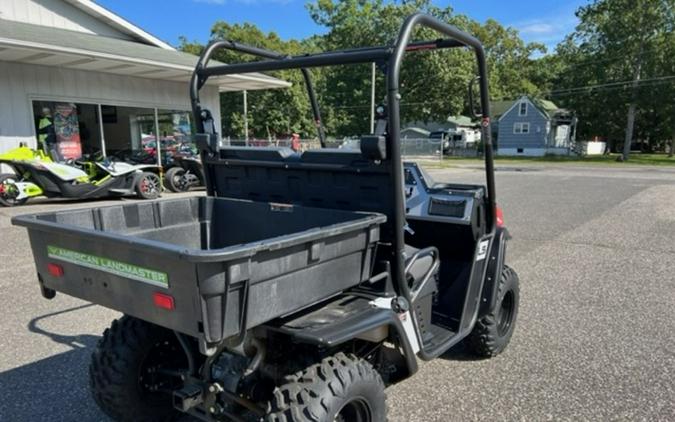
(394, 123)
(197, 84)
(392, 56)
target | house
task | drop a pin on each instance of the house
(531, 126)
(107, 84)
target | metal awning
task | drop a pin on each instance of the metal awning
(45, 46)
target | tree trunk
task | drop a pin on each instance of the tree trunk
(629, 130)
(672, 144)
(630, 124)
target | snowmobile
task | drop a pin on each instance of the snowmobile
(35, 174)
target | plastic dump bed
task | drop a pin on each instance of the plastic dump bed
(207, 267)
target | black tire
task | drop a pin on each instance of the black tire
(173, 180)
(6, 198)
(492, 332)
(340, 388)
(121, 371)
(148, 186)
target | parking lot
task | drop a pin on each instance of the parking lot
(595, 251)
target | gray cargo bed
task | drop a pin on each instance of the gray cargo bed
(227, 264)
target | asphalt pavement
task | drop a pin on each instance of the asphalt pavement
(595, 340)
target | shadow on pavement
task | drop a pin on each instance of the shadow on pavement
(55, 388)
(76, 342)
(459, 353)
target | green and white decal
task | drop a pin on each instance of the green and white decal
(122, 269)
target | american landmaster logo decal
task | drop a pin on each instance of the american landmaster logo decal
(121, 269)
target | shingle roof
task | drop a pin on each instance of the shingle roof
(497, 108)
(548, 107)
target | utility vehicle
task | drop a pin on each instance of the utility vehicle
(35, 174)
(301, 285)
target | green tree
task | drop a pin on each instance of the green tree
(433, 83)
(274, 112)
(617, 65)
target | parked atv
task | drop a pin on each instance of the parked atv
(303, 284)
(37, 175)
(185, 173)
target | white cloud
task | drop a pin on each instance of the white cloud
(538, 28)
(550, 27)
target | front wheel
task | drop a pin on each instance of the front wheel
(125, 374)
(492, 332)
(148, 186)
(341, 388)
(9, 191)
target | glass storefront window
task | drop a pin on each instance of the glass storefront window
(130, 133)
(175, 128)
(67, 130)
(70, 130)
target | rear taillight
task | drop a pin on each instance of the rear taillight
(55, 269)
(163, 301)
(500, 217)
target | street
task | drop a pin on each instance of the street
(595, 251)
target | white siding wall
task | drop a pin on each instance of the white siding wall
(21, 83)
(56, 14)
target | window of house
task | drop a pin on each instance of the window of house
(521, 127)
(522, 111)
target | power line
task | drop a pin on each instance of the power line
(610, 84)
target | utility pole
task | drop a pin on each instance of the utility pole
(372, 99)
(245, 119)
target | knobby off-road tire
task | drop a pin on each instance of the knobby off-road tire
(341, 388)
(492, 332)
(173, 180)
(118, 370)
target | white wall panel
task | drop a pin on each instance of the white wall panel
(56, 14)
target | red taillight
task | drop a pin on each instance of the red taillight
(163, 301)
(55, 269)
(500, 217)
(2, 189)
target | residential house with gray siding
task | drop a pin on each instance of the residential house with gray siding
(532, 127)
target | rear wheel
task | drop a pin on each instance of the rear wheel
(175, 180)
(492, 332)
(125, 373)
(148, 185)
(9, 191)
(341, 388)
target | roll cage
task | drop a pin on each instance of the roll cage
(390, 58)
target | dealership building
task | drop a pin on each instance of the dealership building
(109, 85)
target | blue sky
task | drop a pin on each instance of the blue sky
(546, 21)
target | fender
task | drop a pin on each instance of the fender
(493, 273)
(358, 325)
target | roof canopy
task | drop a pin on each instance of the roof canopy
(40, 45)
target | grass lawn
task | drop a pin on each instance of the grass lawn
(635, 159)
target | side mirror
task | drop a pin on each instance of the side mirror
(472, 107)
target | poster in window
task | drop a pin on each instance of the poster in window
(67, 130)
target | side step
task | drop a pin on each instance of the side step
(342, 319)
